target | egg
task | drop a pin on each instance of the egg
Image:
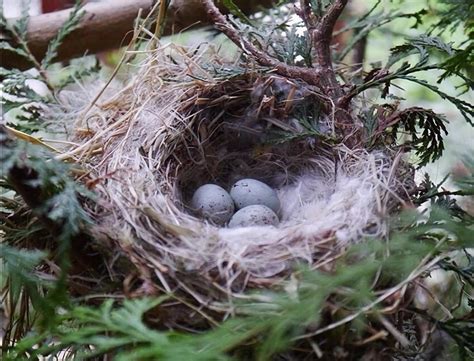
(255, 215)
(213, 203)
(247, 192)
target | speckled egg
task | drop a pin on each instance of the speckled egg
(255, 215)
(213, 203)
(247, 192)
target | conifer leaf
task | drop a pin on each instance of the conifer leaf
(6, 46)
(21, 24)
(429, 144)
(67, 28)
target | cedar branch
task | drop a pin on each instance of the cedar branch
(24, 181)
(309, 75)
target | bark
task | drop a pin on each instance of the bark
(107, 25)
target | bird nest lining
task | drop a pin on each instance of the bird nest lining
(151, 144)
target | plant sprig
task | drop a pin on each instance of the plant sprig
(66, 29)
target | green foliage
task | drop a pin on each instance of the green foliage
(78, 73)
(466, 182)
(467, 272)
(58, 192)
(421, 46)
(319, 6)
(311, 126)
(19, 265)
(25, 290)
(297, 45)
(424, 126)
(454, 14)
(67, 28)
(429, 191)
(119, 330)
(17, 94)
(428, 145)
(268, 322)
(53, 198)
(15, 33)
(273, 321)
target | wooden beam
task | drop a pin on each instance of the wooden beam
(107, 25)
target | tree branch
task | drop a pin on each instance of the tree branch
(322, 44)
(309, 75)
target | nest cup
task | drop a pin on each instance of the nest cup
(149, 145)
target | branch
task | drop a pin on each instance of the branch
(322, 43)
(309, 75)
(321, 31)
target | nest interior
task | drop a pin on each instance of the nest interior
(148, 146)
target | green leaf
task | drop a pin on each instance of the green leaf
(19, 265)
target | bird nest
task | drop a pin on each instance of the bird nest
(181, 122)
